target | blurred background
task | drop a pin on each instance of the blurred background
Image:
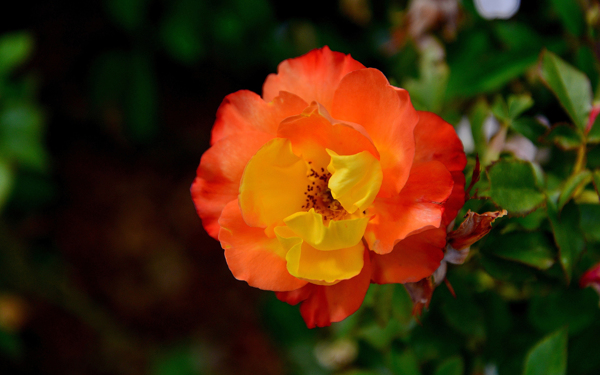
(105, 110)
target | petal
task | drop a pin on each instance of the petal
(314, 130)
(273, 185)
(252, 256)
(313, 77)
(437, 140)
(472, 229)
(418, 207)
(355, 179)
(456, 199)
(245, 111)
(323, 305)
(324, 267)
(219, 173)
(365, 97)
(296, 296)
(337, 234)
(412, 259)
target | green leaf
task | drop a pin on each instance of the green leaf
(15, 48)
(517, 104)
(10, 344)
(565, 137)
(570, 86)
(500, 109)
(402, 306)
(479, 113)
(378, 337)
(494, 68)
(529, 127)
(509, 111)
(594, 134)
(590, 221)
(532, 249)
(430, 88)
(142, 99)
(405, 363)
(573, 184)
(596, 179)
(513, 186)
(451, 366)
(571, 15)
(6, 181)
(506, 270)
(549, 356)
(574, 307)
(567, 234)
(129, 14)
(181, 31)
(463, 314)
(21, 135)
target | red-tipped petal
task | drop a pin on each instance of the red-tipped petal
(252, 256)
(312, 77)
(218, 176)
(418, 207)
(323, 305)
(244, 111)
(412, 259)
(365, 97)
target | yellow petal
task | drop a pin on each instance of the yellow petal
(324, 267)
(338, 234)
(273, 185)
(355, 179)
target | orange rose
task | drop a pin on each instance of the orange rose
(329, 181)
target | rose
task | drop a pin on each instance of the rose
(591, 278)
(329, 181)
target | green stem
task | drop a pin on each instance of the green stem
(580, 161)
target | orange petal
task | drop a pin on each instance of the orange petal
(418, 207)
(412, 259)
(437, 140)
(313, 77)
(219, 174)
(324, 305)
(252, 256)
(456, 199)
(314, 130)
(365, 97)
(245, 111)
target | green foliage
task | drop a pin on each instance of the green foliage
(571, 87)
(15, 49)
(549, 356)
(572, 185)
(532, 249)
(513, 186)
(173, 61)
(567, 235)
(451, 366)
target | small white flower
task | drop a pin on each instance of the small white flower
(502, 9)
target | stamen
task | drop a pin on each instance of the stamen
(321, 199)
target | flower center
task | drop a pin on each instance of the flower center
(318, 195)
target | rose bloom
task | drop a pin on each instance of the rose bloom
(328, 182)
